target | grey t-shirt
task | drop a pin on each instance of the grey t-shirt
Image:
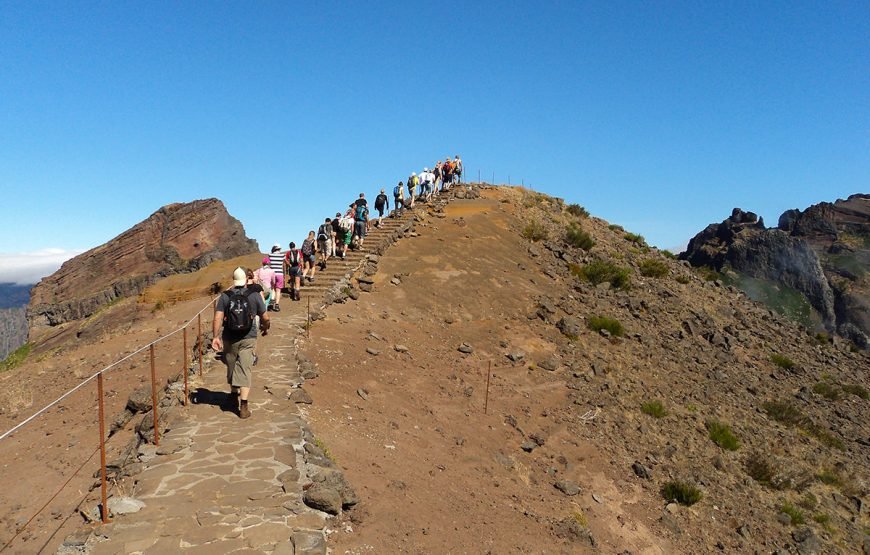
(257, 303)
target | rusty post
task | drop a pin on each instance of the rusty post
(104, 509)
(185, 370)
(154, 396)
(199, 339)
(486, 401)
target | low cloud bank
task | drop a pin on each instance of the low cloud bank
(24, 268)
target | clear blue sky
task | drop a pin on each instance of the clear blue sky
(657, 116)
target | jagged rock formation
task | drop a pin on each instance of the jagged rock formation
(177, 238)
(822, 253)
(13, 330)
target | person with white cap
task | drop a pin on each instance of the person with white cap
(235, 313)
(276, 261)
(413, 181)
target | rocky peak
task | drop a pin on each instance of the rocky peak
(180, 237)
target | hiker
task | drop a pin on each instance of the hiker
(276, 260)
(253, 286)
(235, 312)
(293, 263)
(309, 256)
(457, 169)
(437, 177)
(325, 241)
(398, 198)
(447, 173)
(265, 277)
(381, 203)
(428, 180)
(412, 189)
(360, 220)
(339, 233)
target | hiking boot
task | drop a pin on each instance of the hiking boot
(276, 308)
(298, 295)
(244, 411)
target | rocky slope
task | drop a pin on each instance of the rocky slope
(177, 238)
(812, 267)
(621, 380)
(13, 330)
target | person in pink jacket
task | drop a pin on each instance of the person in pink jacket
(266, 277)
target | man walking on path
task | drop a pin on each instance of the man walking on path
(325, 242)
(235, 312)
(381, 203)
(276, 261)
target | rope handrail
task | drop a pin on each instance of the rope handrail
(33, 416)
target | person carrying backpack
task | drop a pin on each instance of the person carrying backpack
(324, 242)
(457, 169)
(293, 262)
(276, 261)
(381, 203)
(412, 189)
(399, 197)
(360, 220)
(265, 277)
(338, 233)
(235, 333)
(437, 176)
(309, 256)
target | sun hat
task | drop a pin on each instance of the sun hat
(239, 277)
(266, 260)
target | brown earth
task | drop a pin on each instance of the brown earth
(437, 474)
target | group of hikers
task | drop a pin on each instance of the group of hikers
(243, 309)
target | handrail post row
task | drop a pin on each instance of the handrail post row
(154, 396)
(104, 509)
(199, 339)
(186, 394)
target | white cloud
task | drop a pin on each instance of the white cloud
(25, 268)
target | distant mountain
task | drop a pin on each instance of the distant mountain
(177, 238)
(13, 329)
(812, 267)
(13, 295)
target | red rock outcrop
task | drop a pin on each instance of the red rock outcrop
(181, 237)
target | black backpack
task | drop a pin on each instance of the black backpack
(239, 316)
(322, 233)
(380, 201)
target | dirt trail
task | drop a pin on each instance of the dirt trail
(436, 474)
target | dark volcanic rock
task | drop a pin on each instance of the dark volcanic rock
(823, 253)
(177, 238)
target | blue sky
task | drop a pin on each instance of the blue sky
(658, 116)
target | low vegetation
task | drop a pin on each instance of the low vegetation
(654, 408)
(795, 514)
(766, 472)
(721, 434)
(635, 238)
(782, 361)
(683, 493)
(668, 254)
(615, 227)
(788, 414)
(682, 279)
(535, 231)
(856, 390)
(576, 237)
(827, 390)
(578, 211)
(653, 268)
(600, 271)
(598, 323)
(15, 358)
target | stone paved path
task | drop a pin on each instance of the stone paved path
(219, 484)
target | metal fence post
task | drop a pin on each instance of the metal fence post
(199, 339)
(154, 397)
(104, 509)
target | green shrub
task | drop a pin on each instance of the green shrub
(600, 271)
(856, 390)
(782, 361)
(825, 521)
(682, 279)
(827, 391)
(795, 514)
(654, 408)
(576, 237)
(653, 268)
(721, 435)
(823, 435)
(830, 478)
(668, 254)
(764, 471)
(784, 412)
(822, 338)
(16, 357)
(578, 211)
(615, 227)
(535, 231)
(635, 238)
(683, 493)
(598, 323)
(808, 501)
(709, 274)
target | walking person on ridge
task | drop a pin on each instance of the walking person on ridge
(276, 261)
(324, 241)
(293, 261)
(265, 276)
(235, 313)
(381, 203)
(398, 198)
(309, 256)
